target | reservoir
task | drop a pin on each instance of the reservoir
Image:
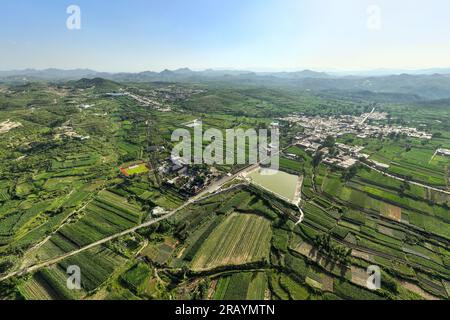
(281, 183)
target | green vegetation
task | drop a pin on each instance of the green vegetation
(89, 162)
(240, 239)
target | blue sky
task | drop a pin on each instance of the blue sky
(138, 35)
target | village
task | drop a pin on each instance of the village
(317, 130)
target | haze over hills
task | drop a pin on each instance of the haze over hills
(427, 85)
(55, 73)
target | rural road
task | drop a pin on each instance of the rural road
(403, 180)
(214, 187)
(50, 262)
(368, 115)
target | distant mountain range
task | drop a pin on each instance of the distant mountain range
(425, 84)
(387, 72)
(75, 74)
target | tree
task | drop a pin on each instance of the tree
(406, 185)
(317, 159)
(350, 173)
(5, 266)
(329, 142)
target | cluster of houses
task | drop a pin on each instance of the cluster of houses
(344, 156)
(186, 178)
(318, 129)
(159, 98)
(67, 131)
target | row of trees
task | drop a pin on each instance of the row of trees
(334, 251)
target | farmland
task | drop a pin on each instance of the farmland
(240, 239)
(96, 266)
(241, 286)
(71, 176)
(106, 214)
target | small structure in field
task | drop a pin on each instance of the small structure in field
(443, 152)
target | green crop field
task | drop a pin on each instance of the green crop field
(91, 160)
(240, 239)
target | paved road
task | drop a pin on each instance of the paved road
(367, 117)
(214, 187)
(92, 245)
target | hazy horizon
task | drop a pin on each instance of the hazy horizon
(380, 70)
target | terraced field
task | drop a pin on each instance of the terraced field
(240, 239)
(242, 286)
(96, 266)
(106, 214)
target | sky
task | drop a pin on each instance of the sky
(259, 35)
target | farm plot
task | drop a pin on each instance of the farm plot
(136, 278)
(349, 291)
(295, 290)
(391, 211)
(4, 195)
(161, 252)
(96, 266)
(108, 213)
(49, 284)
(82, 161)
(242, 286)
(240, 239)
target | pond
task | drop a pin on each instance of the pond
(281, 183)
